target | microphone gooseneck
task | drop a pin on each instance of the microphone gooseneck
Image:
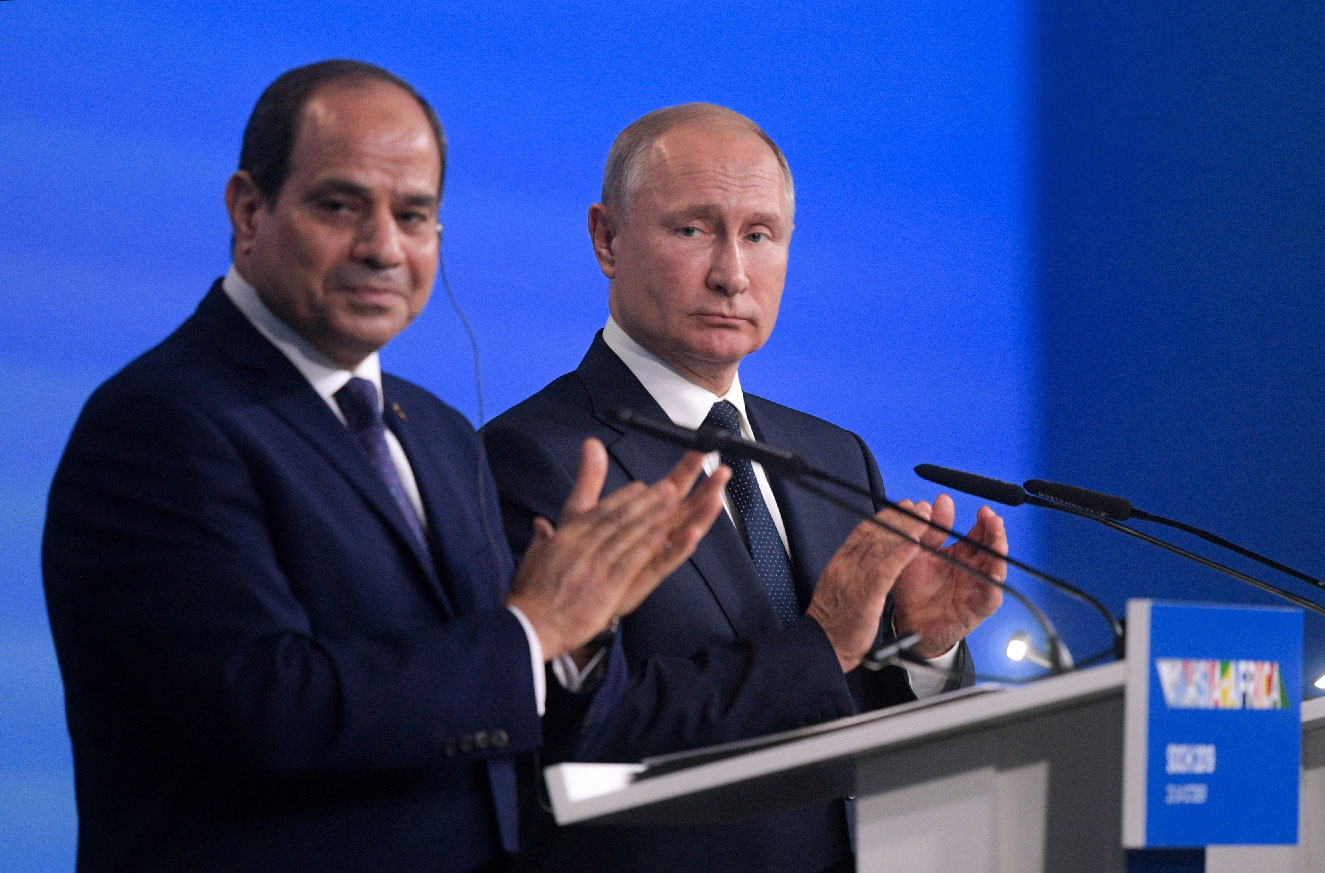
(1119, 509)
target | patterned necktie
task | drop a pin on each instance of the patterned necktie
(761, 536)
(358, 401)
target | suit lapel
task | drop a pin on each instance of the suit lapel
(444, 488)
(815, 528)
(284, 390)
(721, 558)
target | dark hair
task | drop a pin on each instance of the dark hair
(274, 124)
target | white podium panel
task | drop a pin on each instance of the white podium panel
(1018, 780)
(1024, 780)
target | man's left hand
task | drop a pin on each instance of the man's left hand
(941, 602)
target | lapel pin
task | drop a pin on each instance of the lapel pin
(400, 413)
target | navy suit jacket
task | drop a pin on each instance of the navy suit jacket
(263, 669)
(708, 660)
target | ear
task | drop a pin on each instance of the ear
(244, 202)
(603, 230)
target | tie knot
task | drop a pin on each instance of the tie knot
(358, 402)
(724, 415)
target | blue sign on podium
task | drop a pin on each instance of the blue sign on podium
(1212, 742)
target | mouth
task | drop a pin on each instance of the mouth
(721, 319)
(373, 295)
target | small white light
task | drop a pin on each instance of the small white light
(1020, 648)
(1320, 682)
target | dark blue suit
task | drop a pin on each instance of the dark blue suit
(708, 661)
(263, 670)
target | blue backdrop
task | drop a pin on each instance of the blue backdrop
(980, 276)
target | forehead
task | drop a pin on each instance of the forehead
(366, 128)
(714, 164)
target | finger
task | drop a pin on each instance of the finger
(943, 513)
(904, 545)
(995, 530)
(692, 521)
(704, 499)
(989, 532)
(543, 531)
(993, 534)
(908, 519)
(635, 519)
(629, 528)
(531, 569)
(876, 553)
(588, 480)
(686, 471)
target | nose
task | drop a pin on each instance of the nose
(378, 241)
(727, 271)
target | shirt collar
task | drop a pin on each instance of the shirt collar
(685, 403)
(325, 376)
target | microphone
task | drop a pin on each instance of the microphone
(1011, 494)
(1097, 512)
(1119, 509)
(977, 486)
(798, 470)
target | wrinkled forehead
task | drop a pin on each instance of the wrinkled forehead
(714, 159)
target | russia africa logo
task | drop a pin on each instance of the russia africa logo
(1194, 683)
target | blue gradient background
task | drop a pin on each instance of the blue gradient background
(1032, 240)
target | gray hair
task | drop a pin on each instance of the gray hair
(625, 161)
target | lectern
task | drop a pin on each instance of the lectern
(1012, 780)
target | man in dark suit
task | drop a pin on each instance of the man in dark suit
(288, 623)
(765, 627)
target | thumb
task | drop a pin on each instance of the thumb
(543, 531)
(588, 481)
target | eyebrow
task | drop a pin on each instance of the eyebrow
(349, 188)
(713, 211)
(765, 218)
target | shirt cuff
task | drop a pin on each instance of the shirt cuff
(927, 683)
(535, 660)
(572, 678)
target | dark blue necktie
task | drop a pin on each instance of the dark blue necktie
(761, 536)
(358, 402)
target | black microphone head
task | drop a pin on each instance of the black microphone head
(977, 486)
(1106, 505)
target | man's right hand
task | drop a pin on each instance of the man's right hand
(608, 554)
(852, 590)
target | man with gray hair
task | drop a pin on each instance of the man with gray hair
(765, 627)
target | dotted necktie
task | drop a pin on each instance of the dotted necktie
(761, 536)
(358, 401)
